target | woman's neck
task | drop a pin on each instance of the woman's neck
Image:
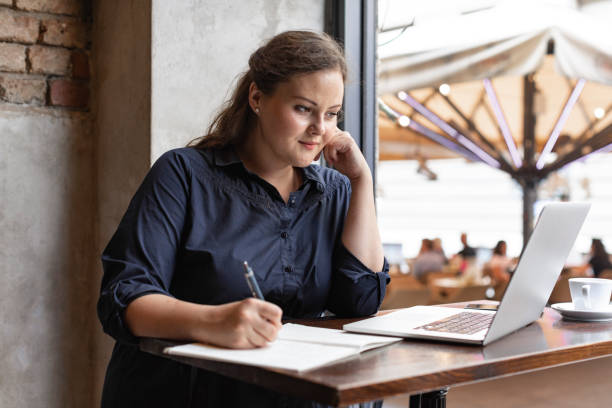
(284, 178)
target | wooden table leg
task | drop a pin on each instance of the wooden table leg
(433, 399)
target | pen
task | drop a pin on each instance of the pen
(252, 282)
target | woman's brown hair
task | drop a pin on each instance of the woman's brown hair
(599, 250)
(284, 56)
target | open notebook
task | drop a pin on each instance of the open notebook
(297, 348)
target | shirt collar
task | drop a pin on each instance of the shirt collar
(313, 174)
(227, 156)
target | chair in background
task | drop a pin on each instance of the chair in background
(429, 277)
(443, 291)
(498, 290)
(606, 274)
(405, 291)
(561, 291)
(498, 287)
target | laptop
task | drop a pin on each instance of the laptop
(523, 302)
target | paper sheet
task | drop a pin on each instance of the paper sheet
(297, 348)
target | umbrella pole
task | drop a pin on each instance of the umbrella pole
(530, 195)
(528, 178)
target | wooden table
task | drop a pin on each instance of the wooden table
(419, 367)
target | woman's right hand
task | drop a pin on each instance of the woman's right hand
(248, 323)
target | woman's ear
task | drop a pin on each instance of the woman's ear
(254, 97)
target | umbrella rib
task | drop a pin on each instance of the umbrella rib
(503, 165)
(479, 103)
(423, 102)
(592, 124)
(600, 141)
(503, 125)
(405, 121)
(472, 126)
(449, 130)
(491, 116)
(554, 134)
(580, 103)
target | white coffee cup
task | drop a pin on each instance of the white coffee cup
(590, 293)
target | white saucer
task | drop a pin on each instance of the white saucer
(568, 312)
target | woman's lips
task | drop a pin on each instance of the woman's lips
(309, 146)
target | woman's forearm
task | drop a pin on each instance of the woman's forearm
(360, 235)
(157, 315)
(243, 324)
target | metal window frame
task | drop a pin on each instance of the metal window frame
(355, 28)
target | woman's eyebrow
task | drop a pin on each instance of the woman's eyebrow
(306, 99)
(314, 103)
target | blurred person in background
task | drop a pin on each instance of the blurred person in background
(437, 247)
(428, 261)
(499, 265)
(467, 251)
(599, 260)
(460, 261)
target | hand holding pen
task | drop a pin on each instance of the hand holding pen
(251, 281)
(251, 322)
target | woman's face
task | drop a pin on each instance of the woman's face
(298, 118)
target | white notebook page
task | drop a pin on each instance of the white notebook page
(297, 348)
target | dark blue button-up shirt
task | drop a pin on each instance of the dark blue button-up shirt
(196, 217)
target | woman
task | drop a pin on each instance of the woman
(428, 263)
(600, 260)
(500, 264)
(437, 247)
(245, 191)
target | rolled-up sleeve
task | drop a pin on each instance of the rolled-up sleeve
(356, 290)
(140, 256)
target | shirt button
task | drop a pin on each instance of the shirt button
(288, 269)
(284, 235)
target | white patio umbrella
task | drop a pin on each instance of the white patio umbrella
(495, 60)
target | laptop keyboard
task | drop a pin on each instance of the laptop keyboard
(461, 323)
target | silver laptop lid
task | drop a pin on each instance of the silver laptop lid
(539, 267)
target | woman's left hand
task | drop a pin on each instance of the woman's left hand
(343, 153)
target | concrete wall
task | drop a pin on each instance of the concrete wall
(46, 246)
(47, 204)
(198, 49)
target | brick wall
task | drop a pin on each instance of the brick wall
(44, 53)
